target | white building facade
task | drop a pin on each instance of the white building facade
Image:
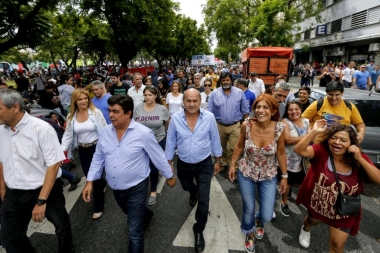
(350, 30)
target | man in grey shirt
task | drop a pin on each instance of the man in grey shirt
(65, 90)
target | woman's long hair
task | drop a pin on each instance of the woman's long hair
(272, 103)
(154, 91)
(73, 105)
(349, 158)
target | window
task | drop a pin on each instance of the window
(306, 35)
(336, 26)
(323, 2)
(369, 110)
(374, 15)
(359, 19)
(346, 23)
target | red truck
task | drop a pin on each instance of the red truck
(267, 62)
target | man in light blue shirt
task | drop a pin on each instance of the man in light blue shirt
(362, 78)
(100, 99)
(124, 149)
(375, 75)
(195, 134)
(229, 106)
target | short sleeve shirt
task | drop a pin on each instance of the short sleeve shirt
(349, 116)
(153, 119)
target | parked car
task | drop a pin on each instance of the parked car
(5, 66)
(368, 104)
(39, 112)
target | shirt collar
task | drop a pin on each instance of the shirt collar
(22, 123)
(200, 114)
(132, 125)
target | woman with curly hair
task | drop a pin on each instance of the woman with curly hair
(338, 151)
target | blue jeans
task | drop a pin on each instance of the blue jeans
(154, 171)
(132, 202)
(267, 196)
(202, 172)
(67, 175)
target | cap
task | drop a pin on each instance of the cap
(52, 80)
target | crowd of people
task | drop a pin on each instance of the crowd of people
(363, 76)
(129, 129)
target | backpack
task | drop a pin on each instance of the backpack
(321, 100)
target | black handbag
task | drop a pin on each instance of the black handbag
(345, 204)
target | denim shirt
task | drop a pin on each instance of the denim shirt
(70, 139)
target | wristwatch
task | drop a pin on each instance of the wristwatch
(41, 202)
(284, 175)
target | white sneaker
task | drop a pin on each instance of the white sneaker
(304, 238)
(274, 215)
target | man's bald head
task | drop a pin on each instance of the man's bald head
(192, 101)
(190, 92)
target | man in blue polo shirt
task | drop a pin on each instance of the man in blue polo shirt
(249, 95)
(100, 99)
(362, 78)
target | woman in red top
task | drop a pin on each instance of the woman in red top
(318, 192)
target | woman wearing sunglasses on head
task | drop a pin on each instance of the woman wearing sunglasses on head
(206, 94)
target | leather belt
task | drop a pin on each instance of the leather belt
(87, 145)
(228, 124)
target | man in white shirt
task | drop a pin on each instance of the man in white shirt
(256, 85)
(348, 73)
(30, 157)
(137, 91)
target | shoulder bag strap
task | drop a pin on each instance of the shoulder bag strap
(299, 134)
(335, 174)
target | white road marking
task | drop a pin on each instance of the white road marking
(46, 226)
(161, 184)
(222, 231)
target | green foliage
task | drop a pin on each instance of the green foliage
(130, 21)
(23, 23)
(177, 40)
(239, 24)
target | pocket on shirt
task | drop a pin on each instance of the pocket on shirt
(27, 149)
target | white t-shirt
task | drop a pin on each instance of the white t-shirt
(204, 100)
(256, 87)
(175, 104)
(348, 73)
(86, 131)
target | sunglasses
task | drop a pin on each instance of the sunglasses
(207, 99)
(207, 85)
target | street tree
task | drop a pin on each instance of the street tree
(130, 21)
(239, 24)
(23, 23)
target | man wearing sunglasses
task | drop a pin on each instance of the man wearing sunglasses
(362, 78)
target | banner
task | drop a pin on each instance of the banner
(202, 59)
(197, 59)
(209, 60)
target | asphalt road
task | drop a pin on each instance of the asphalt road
(172, 222)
